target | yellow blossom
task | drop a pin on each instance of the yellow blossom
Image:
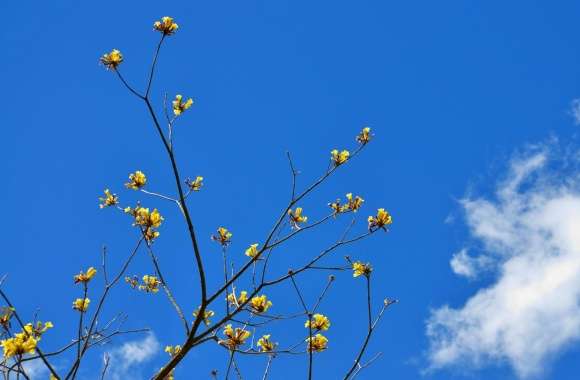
(206, 316)
(339, 158)
(364, 136)
(195, 185)
(224, 237)
(110, 199)
(265, 344)
(173, 350)
(381, 220)
(296, 217)
(235, 337)
(317, 343)
(81, 304)
(166, 26)
(260, 304)
(252, 251)
(52, 377)
(179, 106)
(353, 204)
(150, 284)
(136, 180)
(22, 343)
(132, 281)
(237, 300)
(5, 316)
(318, 322)
(112, 59)
(148, 220)
(361, 269)
(336, 207)
(85, 277)
(38, 329)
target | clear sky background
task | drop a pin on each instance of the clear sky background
(475, 155)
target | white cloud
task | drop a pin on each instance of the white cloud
(35, 369)
(575, 110)
(530, 231)
(126, 359)
(465, 265)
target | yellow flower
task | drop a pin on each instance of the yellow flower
(173, 350)
(224, 237)
(137, 180)
(265, 344)
(81, 304)
(206, 316)
(336, 207)
(52, 377)
(85, 277)
(149, 221)
(353, 203)
(260, 304)
(166, 26)
(37, 330)
(317, 343)
(381, 220)
(364, 136)
(150, 284)
(132, 281)
(237, 300)
(318, 322)
(5, 315)
(179, 106)
(22, 343)
(361, 269)
(296, 217)
(109, 199)
(112, 59)
(252, 251)
(339, 158)
(235, 338)
(196, 184)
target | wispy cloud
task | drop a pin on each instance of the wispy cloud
(530, 238)
(575, 110)
(126, 359)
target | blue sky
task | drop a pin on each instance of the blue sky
(462, 96)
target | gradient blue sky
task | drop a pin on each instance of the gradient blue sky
(451, 89)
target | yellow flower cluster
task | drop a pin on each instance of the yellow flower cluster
(380, 221)
(150, 284)
(206, 316)
(260, 304)
(224, 237)
(318, 322)
(136, 180)
(236, 301)
(166, 26)
(234, 337)
(296, 217)
(265, 344)
(81, 304)
(110, 199)
(352, 204)
(361, 269)
(179, 106)
(364, 136)
(24, 342)
(173, 350)
(148, 220)
(112, 59)
(339, 158)
(252, 251)
(196, 184)
(85, 277)
(317, 343)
